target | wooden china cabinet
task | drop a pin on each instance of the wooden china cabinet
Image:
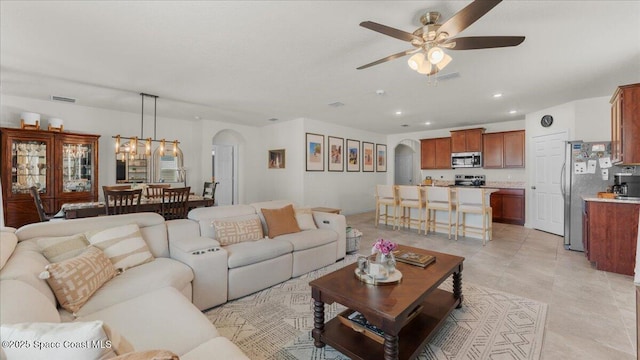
(62, 166)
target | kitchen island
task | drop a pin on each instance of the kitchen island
(610, 233)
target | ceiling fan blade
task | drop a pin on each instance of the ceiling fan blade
(388, 58)
(467, 16)
(483, 42)
(389, 31)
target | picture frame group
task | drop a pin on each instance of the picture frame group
(355, 155)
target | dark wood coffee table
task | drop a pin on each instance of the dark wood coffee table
(391, 308)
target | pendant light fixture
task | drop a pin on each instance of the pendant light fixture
(133, 146)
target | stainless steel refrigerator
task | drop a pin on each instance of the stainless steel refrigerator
(585, 172)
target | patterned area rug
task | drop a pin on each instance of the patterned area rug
(276, 323)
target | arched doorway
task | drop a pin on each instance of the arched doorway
(407, 160)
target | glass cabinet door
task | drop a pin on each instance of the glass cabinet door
(29, 165)
(77, 167)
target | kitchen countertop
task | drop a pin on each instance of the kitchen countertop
(595, 198)
(489, 184)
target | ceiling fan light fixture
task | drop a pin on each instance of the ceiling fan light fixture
(416, 61)
(444, 62)
(425, 68)
(436, 55)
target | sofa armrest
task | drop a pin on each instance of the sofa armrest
(209, 264)
(337, 223)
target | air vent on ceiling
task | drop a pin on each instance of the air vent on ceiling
(63, 99)
(448, 76)
(336, 104)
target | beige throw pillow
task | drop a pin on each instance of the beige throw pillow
(233, 232)
(280, 221)
(74, 281)
(57, 249)
(304, 217)
(77, 341)
(123, 245)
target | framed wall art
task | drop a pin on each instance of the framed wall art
(336, 153)
(353, 155)
(276, 159)
(381, 157)
(367, 156)
(315, 152)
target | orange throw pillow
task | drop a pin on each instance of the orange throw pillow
(280, 221)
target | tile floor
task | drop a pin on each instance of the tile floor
(591, 313)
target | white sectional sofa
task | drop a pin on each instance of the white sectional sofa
(149, 305)
(256, 265)
(157, 305)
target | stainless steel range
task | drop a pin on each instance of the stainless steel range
(470, 180)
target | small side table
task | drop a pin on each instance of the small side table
(327, 210)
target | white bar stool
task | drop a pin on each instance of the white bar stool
(474, 201)
(411, 198)
(439, 199)
(386, 195)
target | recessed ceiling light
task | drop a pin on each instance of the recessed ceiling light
(513, 111)
(273, 119)
(405, 125)
(197, 117)
(336, 104)
(428, 123)
(497, 95)
(399, 112)
(380, 92)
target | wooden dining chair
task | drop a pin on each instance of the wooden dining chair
(38, 201)
(174, 203)
(121, 201)
(209, 190)
(154, 191)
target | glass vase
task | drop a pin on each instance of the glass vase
(387, 260)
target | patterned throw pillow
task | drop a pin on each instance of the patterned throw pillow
(280, 221)
(57, 249)
(123, 245)
(74, 280)
(233, 232)
(304, 217)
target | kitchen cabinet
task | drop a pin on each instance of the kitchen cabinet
(625, 125)
(468, 140)
(508, 206)
(503, 149)
(610, 235)
(435, 153)
(62, 166)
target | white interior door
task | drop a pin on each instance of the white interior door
(404, 169)
(223, 170)
(548, 202)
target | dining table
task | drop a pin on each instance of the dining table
(97, 208)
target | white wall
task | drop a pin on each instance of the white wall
(587, 119)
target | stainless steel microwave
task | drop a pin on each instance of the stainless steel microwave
(466, 160)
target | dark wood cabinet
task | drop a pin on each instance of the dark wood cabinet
(625, 125)
(508, 206)
(610, 235)
(468, 140)
(503, 150)
(62, 166)
(435, 153)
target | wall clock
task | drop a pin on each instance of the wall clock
(546, 121)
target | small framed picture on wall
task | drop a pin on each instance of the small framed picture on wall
(315, 152)
(381, 157)
(353, 155)
(336, 153)
(276, 159)
(367, 156)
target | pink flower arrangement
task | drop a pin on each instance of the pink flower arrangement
(383, 246)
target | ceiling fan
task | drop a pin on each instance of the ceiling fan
(430, 39)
